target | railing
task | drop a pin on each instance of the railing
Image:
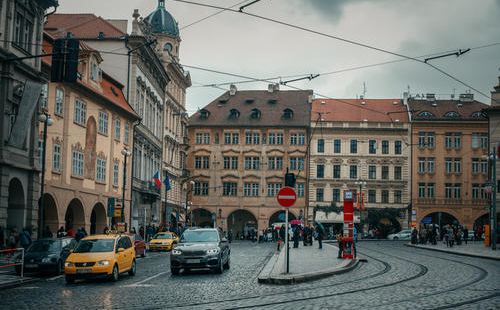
(451, 201)
(8, 258)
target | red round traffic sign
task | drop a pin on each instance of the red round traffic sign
(286, 197)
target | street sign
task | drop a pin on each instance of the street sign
(287, 197)
(111, 206)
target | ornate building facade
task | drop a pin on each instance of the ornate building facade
(241, 145)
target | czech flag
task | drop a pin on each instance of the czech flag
(156, 179)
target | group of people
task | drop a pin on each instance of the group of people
(450, 234)
(15, 239)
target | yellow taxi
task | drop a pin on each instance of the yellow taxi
(101, 256)
(163, 241)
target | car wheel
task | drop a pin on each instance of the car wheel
(220, 268)
(395, 238)
(115, 274)
(70, 280)
(174, 271)
(132, 270)
(227, 264)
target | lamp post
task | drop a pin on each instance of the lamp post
(186, 206)
(126, 153)
(47, 121)
(361, 184)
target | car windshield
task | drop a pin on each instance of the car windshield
(45, 246)
(95, 245)
(163, 236)
(200, 236)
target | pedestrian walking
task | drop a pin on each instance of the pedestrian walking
(319, 236)
(340, 243)
(296, 233)
(25, 238)
(466, 234)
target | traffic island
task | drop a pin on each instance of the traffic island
(306, 264)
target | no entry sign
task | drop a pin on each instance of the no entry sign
(286, 197)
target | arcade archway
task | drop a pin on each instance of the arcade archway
(50, 216)
(201, 218)
(241, 223)
(75, 215)
(440, 219)
(97, 219)
(16, 208)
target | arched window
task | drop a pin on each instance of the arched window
(477, 114)
(425, 114)
(255, 114)
(234, 114)
(167, 47)
(452, 114)
(287, 113)
(204, 114)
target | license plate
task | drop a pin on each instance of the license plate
(31, 266)
(88, 270)
(193, 261)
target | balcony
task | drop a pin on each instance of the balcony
(146, 187)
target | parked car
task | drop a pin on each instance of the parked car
(47, 255)
(203, 248)
(402, 235)
(163, 241)
(101, 256)
(139, 245)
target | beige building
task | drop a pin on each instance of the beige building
(449, 161)
(494, 136)
(360, 145)
(240, 147)
(91, 126)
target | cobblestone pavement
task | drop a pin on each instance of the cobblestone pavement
(395, 277)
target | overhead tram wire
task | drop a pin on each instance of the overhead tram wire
(341, 39)
(212, 15)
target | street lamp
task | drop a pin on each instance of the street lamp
(186, 206)
(47, 121)
(126, 153)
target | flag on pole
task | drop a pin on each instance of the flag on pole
(156, 179)
(167, 183)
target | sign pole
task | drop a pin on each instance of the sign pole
(287, 249)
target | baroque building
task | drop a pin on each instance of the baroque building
(360, 145)
(21, 28)
(241, 145)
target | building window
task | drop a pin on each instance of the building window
(275, 163)
(385, 172)
(421, 190)
(430, 140)
(372, 196)
(321, 145)
(430, 190)
(44, 97)
(252, 163)
(273, 189)
(202, 138)
(320, 171)
(201, 162)
(385, 147)
(354, 146)
(200, 188)
(300, 189)
(231, 138)
(421, 165)
(117, 129)
(103, 123)
(457, 165)
(297, 139)
(56, 158)
(385, 196)
(372, 146)
(58, 109)
(430, 164)
(296, 163)
(448, 190)
(479, 140)
(484, 166)
(337, 148)
(100, 170)
(372, 172)
(251, 189)
(77, 164)
(229, 188)
(398, 172)
(275, 138)
(448, 140)
(336, 195)
(126, 134)
(231, 162)
(421, 139)
(397, 196)
(398, 147)
(23, 27)
(252, 137)
(320, 194)
(353, 172)
(94, 72)
(336, 171)
(448, 165)
(116, 167)
(457, 140)
(457, 191)
(80, 112)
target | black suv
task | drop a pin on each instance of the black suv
(200, 248)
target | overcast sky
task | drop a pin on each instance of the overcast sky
(244, 45)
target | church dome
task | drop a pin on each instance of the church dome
(162, 21)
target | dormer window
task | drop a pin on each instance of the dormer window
(425, 114)
(249, 101)
(94, 72)
(204, 114)
(452, 114)
(287, 113)
(477, 114)
(255, 114)
(234, 114)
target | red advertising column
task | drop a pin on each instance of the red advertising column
(347, 240)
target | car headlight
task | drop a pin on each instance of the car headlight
(213, 251)
(103, 263)
(176, 252)
(69, 264)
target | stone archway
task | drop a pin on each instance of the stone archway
(75, 215)
(50, 215)
(241, 222)
(279, 217)
(16, 208)
(439, 218)
(98, 220)
(201, 218)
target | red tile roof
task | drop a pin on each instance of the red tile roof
(440, 109)
(359, 110)
(86, 26)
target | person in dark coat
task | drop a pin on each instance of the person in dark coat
(319, 236)
(61, 233)
(466, 234)
(25, 238)
(307, 231)
(296, 233)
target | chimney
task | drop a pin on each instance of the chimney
(270, 88)
(466, 97)
(430, 97)
(405, 98)
(276, 87)
(232, 90)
